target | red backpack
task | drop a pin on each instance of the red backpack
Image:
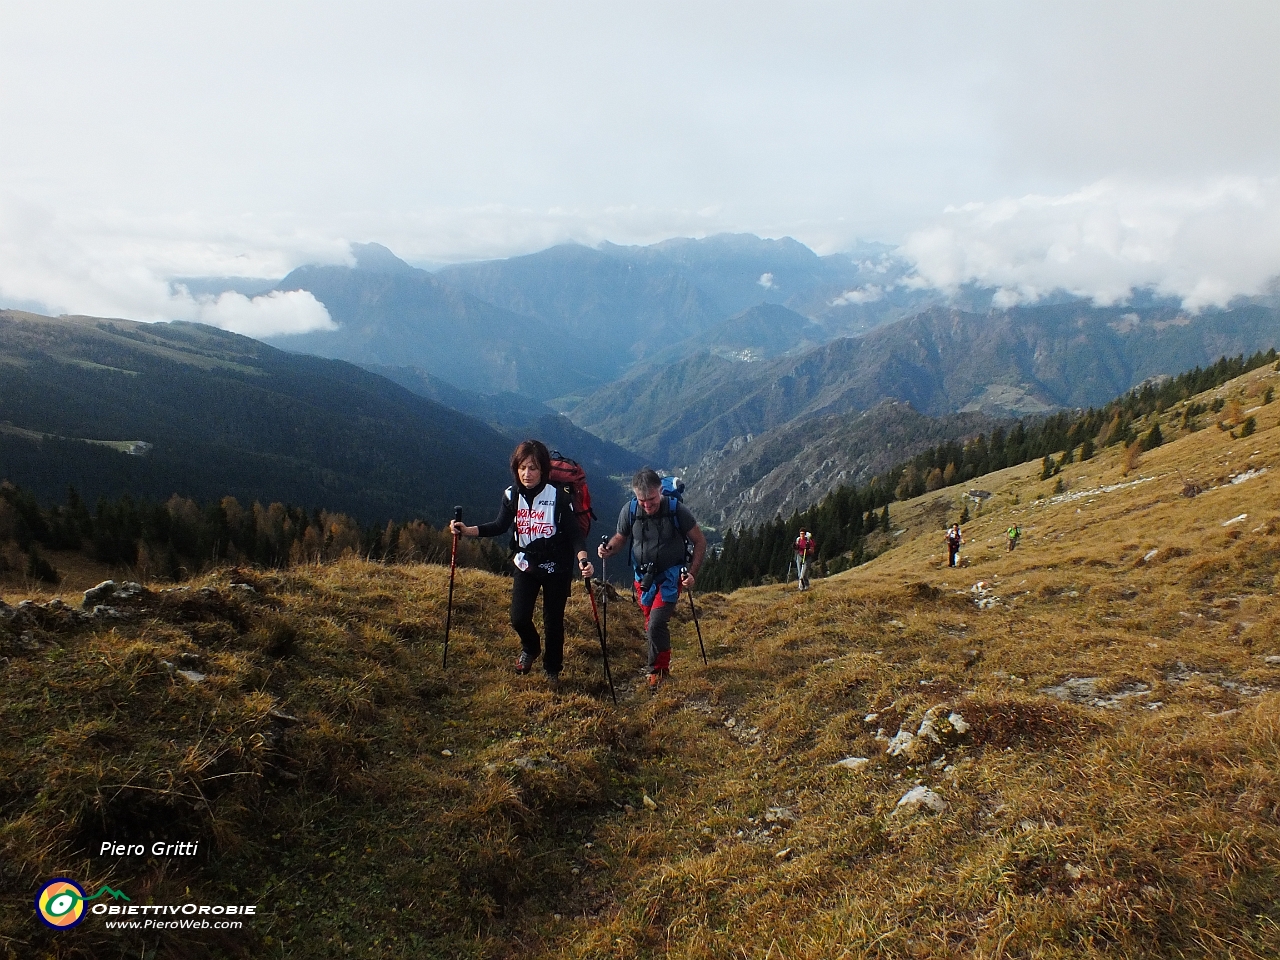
(569, 474)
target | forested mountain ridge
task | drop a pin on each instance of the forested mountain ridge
(226, 415)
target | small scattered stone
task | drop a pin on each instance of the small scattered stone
(918, 797)
(783, 854)
(649, 802)
(855, 764)
(780, 815)
(1273, 661)
(901, 743)
(446, 753)
(95, 595)
(193, 675)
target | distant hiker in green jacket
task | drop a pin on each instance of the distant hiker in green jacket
(546, 540)
(1013, 533)
(666, 549)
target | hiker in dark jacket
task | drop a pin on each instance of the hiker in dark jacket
(546, 541)
(660, 538)
(954, 541)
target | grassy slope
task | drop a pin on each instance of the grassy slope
(1072, 830)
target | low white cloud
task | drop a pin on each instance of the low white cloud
(766, 281)
(112, 265)
(272, 314)
(868, 294)
(1203, 245)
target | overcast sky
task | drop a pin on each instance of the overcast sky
(1031, 146)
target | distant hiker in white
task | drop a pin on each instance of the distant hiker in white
(804, 552)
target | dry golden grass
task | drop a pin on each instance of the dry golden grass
(1139, 819)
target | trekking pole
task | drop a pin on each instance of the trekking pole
(453, 563)
(604, 650)
(604, 594)
(694, 611)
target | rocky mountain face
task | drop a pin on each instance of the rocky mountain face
(752, 479)
(1021, 361)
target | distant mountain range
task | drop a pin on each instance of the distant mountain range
(763, 371)
(565, 322)
(941, 361)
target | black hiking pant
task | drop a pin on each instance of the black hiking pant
(555, 594)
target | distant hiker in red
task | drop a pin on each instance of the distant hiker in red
(547, 537)
(804, 552)
(666, 549)
(954, 541)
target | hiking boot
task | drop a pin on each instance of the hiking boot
(553, 682)
(524, 663)
(656, 678)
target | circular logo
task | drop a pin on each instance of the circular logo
(60, 903)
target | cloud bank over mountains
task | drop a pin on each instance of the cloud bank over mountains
(1203, 245)
(114, 265)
